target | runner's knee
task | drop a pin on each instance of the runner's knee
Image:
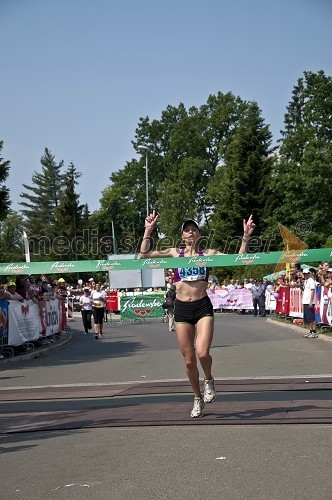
(190, 362)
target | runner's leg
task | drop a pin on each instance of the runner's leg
(204, 338)
(186, 337)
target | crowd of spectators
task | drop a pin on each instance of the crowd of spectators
(322, 275)
(30, 287)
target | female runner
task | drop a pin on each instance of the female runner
(193, 308)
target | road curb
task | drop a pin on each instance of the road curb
(37, 353)
(298, 329)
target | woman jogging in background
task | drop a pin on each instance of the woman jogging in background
(86, 310)
(98, 300)
(193, 309)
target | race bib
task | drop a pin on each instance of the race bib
(192, 273)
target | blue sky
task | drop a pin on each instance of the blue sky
(76, 75)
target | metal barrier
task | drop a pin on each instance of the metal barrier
(51, 318)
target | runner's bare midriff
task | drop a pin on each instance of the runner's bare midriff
(188, 291)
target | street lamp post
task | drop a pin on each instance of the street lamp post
(146, 149)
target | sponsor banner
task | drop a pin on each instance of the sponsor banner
(4, 321)
(142, 307)
(328, 306)
(295, 303)
(317, 306)
(246, 259)
(283, 300)
(23, 322)
(237, 298)
(53, 317)
(112, 301)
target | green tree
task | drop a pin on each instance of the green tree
(40, 202)
(69, 242)
(4, 191)
(11, 232)
(303, 175)
(190, 147)
(241, 186)
(188, 151)
(123, 204)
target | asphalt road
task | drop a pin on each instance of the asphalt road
(252, 462)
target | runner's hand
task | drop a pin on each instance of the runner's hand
(248, 227)
(151, 220)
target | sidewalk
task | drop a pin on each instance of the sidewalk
(299, 329)
(39, 351)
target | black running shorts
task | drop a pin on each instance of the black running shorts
(98, 315)
(192, 312)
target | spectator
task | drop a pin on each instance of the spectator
(45, 290)
(22, 286)
(11, 289)
(231, 285)
(213, 283)
(324, 274)
(309, 301)
(247, 284)
(255, 296)
(4, 295)
(261, 298)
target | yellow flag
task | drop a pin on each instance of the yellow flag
(291, 242)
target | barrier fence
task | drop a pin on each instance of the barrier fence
(25, 322)
(289, 303)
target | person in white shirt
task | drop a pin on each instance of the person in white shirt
(98, 300)
(247, 284)
(309, 301)
(86, 310)
(231, 285)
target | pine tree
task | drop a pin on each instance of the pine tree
(303, 176)
(241, 186)
(41, 199)
(4, 191)
(11, 232)
(69, 244)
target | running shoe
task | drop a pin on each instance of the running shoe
(313, 335)
(197, 410)
(100, 336)
(306, 335)
(96, 337)
(209, 391)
